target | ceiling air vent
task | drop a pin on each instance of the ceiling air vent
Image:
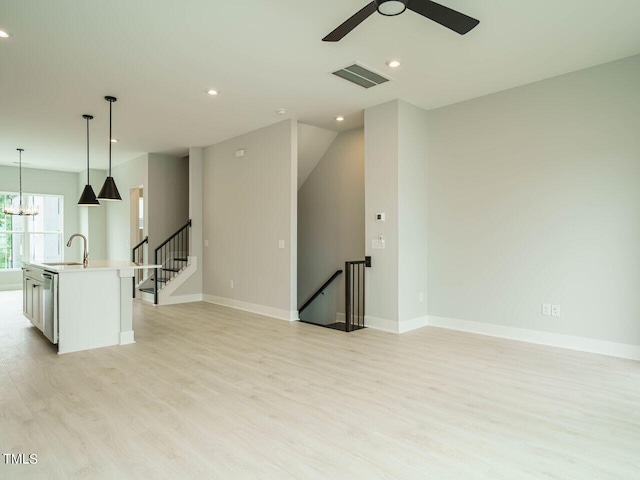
(360, 76)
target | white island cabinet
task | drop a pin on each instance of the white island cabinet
(81, 308)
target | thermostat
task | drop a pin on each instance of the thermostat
(380, 217)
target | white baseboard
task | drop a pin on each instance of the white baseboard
(381, 324)
(144, 297)
(10, 286)
(393, 325)
(582, 344)
(413, 324)
(197, 297)
(126, 338)
(289, 316)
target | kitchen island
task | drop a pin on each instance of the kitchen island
(81, 307)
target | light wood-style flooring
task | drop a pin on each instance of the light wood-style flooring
(213, 393)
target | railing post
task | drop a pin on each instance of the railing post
(155, 278)
(364, 285)
(133, 280)
(347, 295)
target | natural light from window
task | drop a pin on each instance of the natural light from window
(40, 235)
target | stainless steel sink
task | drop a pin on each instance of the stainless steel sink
(59, 264)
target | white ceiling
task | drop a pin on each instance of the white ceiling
(160, 56)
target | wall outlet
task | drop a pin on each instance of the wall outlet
(555, 310)
(230, 283)
(546, 309)
(421, 297)
(206, 243)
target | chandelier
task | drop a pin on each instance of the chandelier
(20, 209)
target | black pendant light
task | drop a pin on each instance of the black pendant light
(109, 190)
(20, 209)
(88, 197)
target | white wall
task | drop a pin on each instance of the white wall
(396, 183)
(93, 220)
(331, 224)
(381, 195)
(533, 197)
(132, 174)
(249, 205)
(165, 181)
(47, 182)
(412, 215)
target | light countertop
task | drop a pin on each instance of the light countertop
(94, 265)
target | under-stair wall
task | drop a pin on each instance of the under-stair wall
(331, 223)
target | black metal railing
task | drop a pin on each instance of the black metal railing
(354, 293)
(172, 255)
(320, 291)
(137, 256)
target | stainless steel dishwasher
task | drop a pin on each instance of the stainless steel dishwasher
(50, 304)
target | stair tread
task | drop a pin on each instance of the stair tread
(171, 269)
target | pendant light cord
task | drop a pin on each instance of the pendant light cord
(20, 150)
(88, 151)
(110, 136)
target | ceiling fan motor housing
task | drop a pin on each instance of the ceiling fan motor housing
(391, 8)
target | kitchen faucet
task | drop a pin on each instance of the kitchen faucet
(85, 257)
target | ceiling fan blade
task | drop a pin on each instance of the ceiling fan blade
(350, 24)
(456, 21)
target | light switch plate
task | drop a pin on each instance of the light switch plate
(546, 309)
(280, 243)
(377, 244)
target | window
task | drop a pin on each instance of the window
(31, 238)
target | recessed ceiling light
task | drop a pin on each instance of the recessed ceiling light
(211, 91)
(340, 119)
(394, 63)
(114, 140)
(281, 111)
(4, 34)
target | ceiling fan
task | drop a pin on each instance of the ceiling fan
(456, 21)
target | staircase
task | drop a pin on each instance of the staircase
(176, 265)
(353, 318)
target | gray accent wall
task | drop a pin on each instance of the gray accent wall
(167, 196)
(193, 285)
(331, 224)
(250, 204)
(533, 197)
